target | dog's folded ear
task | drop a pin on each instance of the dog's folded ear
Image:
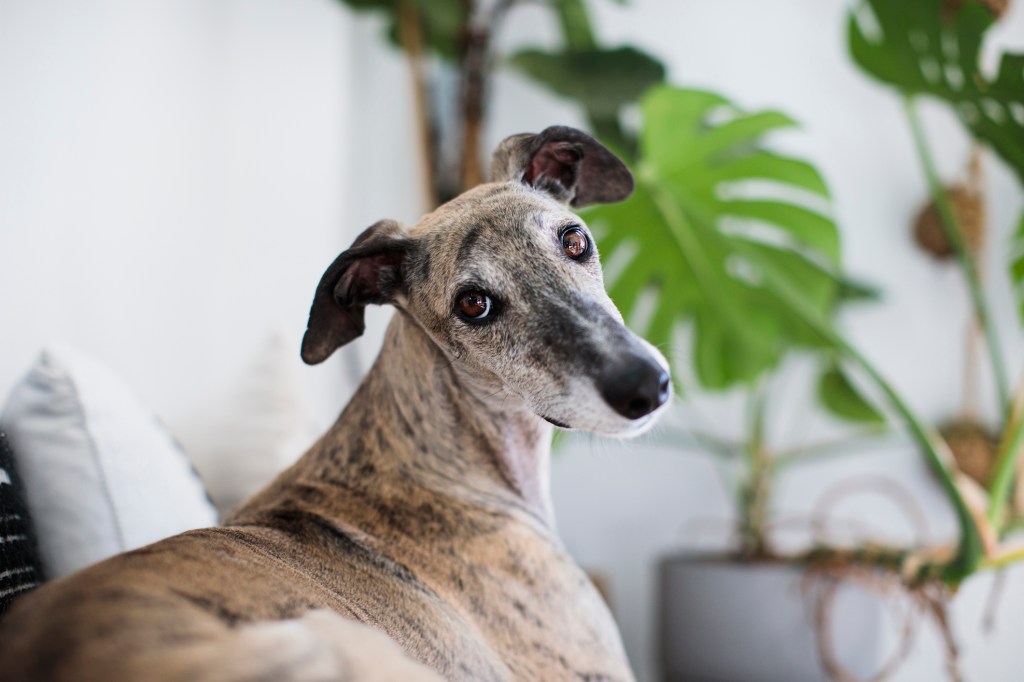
(370, 271)
(568, 164)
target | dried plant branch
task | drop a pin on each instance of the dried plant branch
(411, 31)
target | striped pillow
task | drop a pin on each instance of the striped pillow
(19, 559)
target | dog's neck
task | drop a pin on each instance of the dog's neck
(452, 432)
(459, 434)
(418, 420)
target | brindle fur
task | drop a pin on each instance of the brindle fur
(424, 511)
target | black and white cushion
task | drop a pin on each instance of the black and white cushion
(19, 559)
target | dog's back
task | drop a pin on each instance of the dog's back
(228, 604)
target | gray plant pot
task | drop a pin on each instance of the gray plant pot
(725, 621)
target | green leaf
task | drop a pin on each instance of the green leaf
(712, 254)
(920, 53)
(601, 80)
(804, 226)
(762, 165)
(1017, 265)
(574, 20)
(364, 5)
(852, 290)
(442, 22)
(843, 399)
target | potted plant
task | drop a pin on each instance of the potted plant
(755, 275)
(750, 296)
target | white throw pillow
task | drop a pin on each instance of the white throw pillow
(253, 428)
(101, 474)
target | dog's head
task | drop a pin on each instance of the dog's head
(506, 281)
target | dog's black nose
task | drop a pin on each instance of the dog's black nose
(635, 387)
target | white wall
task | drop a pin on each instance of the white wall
(173, 181)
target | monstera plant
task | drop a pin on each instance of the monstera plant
(753, 274)
(715, 219)
(718, 236)
(738, 245)
(931, 48)
(732, 245)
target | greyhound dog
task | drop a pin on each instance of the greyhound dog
(415, 539)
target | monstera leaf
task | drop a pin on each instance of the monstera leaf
(838, 394)
(601, 80)
(442, 22)
(908, 44)
(716, 225)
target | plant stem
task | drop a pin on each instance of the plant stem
(970, 549)
(703, 442)
(755, 494)
(827, 448)
(473, 75)
(576, 28)
(967, 265)
(1003, 560)
(1005, 467)
(411, 32)
(1013, 523)
(579, 37)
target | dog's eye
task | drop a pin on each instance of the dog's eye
(474, 305)
(575, 243)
